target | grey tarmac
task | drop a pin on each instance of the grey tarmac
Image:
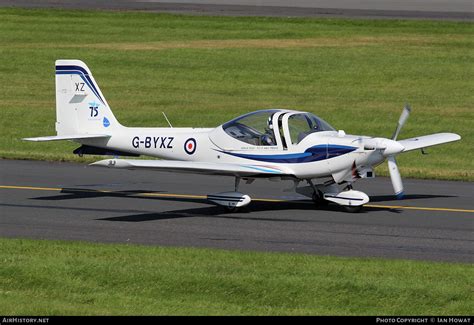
(373, 9)
(69, 201)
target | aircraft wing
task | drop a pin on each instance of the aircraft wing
(194, 167)
(67, 137)
(428, 141)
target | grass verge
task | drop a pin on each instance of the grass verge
(76, 278)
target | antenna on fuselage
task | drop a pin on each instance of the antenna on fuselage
(167, 120)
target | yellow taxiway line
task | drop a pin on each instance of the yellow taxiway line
(190, 196)
(405, 207)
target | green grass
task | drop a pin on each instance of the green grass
(75, 278)
(202, 71)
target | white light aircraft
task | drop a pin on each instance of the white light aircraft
(275, 144)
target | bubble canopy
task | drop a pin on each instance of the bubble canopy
(261, 128)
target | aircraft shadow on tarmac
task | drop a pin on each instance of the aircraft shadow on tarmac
(83, 193)
(207, 212)
(387, 198)
(212, 211)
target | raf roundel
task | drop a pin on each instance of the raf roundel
(190, 146)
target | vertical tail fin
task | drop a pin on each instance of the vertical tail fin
(81, 108)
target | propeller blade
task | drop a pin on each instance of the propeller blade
(401, 121)
(395, 177)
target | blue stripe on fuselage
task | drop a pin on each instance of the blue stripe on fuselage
(315, 153)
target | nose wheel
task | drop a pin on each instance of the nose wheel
(318, 199)
(353, 209)
(352, 201)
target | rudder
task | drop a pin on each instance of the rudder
(81, 107)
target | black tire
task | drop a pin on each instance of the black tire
(318, 200)
(231, 209)
(353, 209)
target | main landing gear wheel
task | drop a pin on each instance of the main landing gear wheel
(318, 199)
(231, 201)
(231, 209)
(353, 209)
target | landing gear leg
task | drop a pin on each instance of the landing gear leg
(318, 197)
(236, 184)
(234, 208)
(348, 187)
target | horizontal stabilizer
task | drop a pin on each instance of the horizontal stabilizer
(68, 137)
(194, 167)
(428, 141)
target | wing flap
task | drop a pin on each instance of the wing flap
(428, 141)
(194, 167)
(67, 137)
